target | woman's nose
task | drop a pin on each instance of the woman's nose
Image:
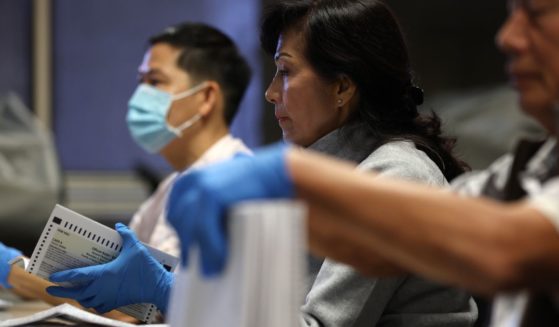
(271, 94)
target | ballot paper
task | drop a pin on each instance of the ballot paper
(70, 240)
(4, 304)
(64, 313)
(263, 282)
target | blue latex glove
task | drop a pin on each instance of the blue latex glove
(6, 254)
(199, 200)
(132, 277)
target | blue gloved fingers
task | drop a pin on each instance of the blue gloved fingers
(212, 240)
(272, 168)
(241, 155)
(198, 200)
(181, 192)
(6, 254)
(90, 302)
(186, 226)
(66, 292)
(128, 236)
(180, 187)
(180, 202)
(94, 296)
(75, 293)
(165, 285)
(78, 275)
(90, 291)
(140, 251)
(133, 277)
(10, 253)
(103, 308)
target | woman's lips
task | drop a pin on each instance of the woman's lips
(283, 121)
(280, 117)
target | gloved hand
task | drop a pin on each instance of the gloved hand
(132, 277)
(199, 200)
(6, 254)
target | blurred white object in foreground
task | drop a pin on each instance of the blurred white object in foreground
(263, 282)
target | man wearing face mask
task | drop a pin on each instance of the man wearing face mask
(192, 81)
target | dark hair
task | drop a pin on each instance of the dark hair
(362, 40)
(208, 54)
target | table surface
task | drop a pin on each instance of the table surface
(19, 308)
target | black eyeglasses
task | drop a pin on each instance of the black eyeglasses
(535, 8)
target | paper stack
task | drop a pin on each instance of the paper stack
(263, 283)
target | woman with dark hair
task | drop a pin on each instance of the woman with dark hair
(344, 87)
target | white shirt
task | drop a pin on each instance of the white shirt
(508, 309)
(149, 222)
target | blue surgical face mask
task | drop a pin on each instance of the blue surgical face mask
(147, 116)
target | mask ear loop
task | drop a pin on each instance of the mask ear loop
(189, 92)
(179, 129)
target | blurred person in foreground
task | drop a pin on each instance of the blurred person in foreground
(495, 234)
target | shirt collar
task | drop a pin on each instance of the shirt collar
(352, 142)
(224, 148)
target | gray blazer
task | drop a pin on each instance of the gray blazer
(340, 296)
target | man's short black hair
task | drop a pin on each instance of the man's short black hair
(208, 54)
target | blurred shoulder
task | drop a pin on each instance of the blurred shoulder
(401, 159)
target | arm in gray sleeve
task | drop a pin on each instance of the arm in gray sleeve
(340, 296)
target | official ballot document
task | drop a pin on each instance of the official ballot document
(263, 283)
(70, 240)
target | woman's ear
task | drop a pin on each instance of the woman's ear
(211, 98)
(345, 90)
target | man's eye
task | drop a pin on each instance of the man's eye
(283, 72)
(152, 82)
